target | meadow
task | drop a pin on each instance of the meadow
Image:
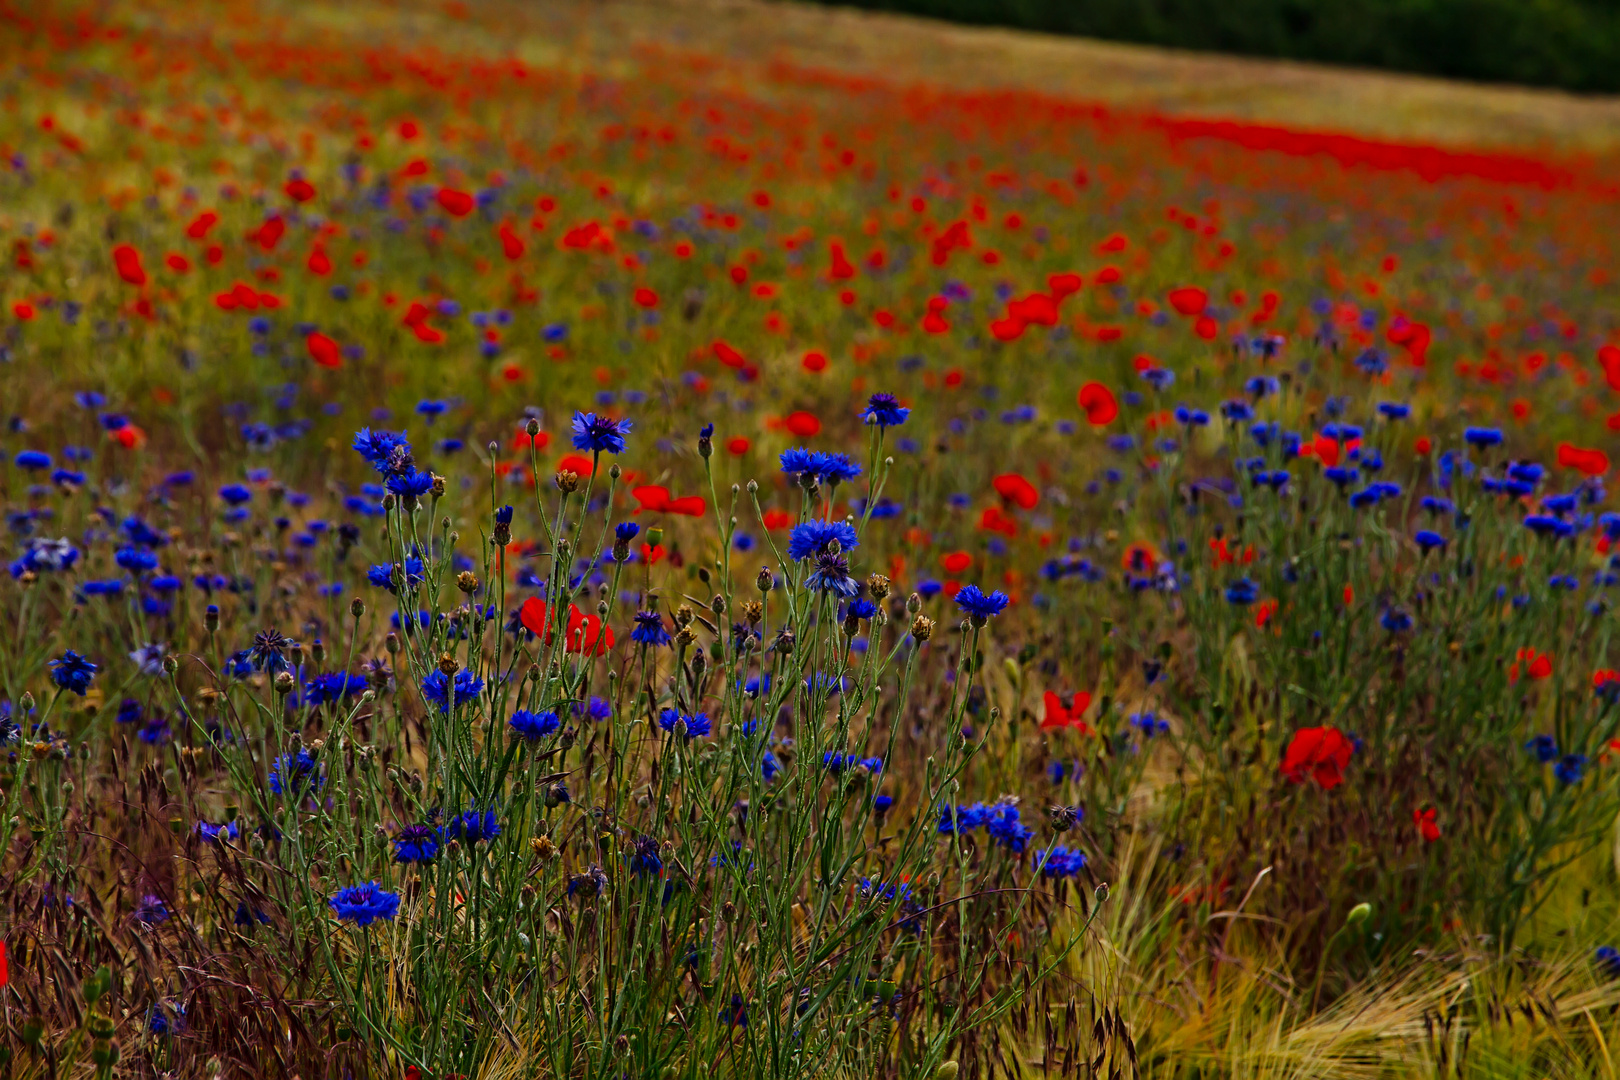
(544, 557)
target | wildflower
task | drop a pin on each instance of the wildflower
(363, 904)
(649, 629)
(1424, 819)
(73, 672)
(884, 410)
(696, 725)
(386, 451)
(1006, 829)
(1395, 620)
(645, 860)
(1608, 961)
(599, 434)
(1536, 666)
(979, 607)
(1570, 769)
(1543, 746)
(416, 844)
(292, 772)
(151, 911)
(235, 494)
(1148, 723)
(1482, 437)
(332, 687)
(447, 693)
(1321, 753)
(832, 576)
(474, 825)
(813, 538)
(531, 726)
(410, 485)
(269, 651)
(1060, 862)
(1242, 592)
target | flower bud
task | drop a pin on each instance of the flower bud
(567, 481)
(285, 682)
(766, 580)
(1358, 914)
(913, 603)
(878, 586)
(1100, 893)
(467, 582)
(922, 628)
(532, 427)
(357, 607)
(211, 618)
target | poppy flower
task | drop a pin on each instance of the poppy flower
(955, 562)
(1424, 819)
(728, 355)
(128, 262)
(1319, 753)
(1098, 403)
(299, 190)
(323, 350)
(511, 242)
(1015, 489)
(1530, 664)
(1058, 715)
(803, 424)
(1590, 462)
(1189, 300)
(455, 203)
(585, 634)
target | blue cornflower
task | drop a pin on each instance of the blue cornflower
(1061, 862)
(1526, 472)
(333, 686)
(1149, 723)
(475, 825)
(292, 772)
(235, 494)
(885, 410)
(1428, 540)
(1395, 620)
(860, 609)
(136, 559)
(1006, 829)
(832, 575)
(364, 904)
(533, 727)
(834, 469)
(32, 460)
(386, 451)
(151, 910)
(649, 629)
(1341, 475)
(213, 833)
(1237, 411)
(416, 844)
(384, 575)
(599, 434)
(1436, 505)
(410, 485)
(1394, 410)
(73, 672)
(645, 861)
(1608, 961)
(1547, 525)
(626, 531)
(813, 538)
(1543, 746)
(696, 725)
(1570, 768)
(437, 688)
(1482, 437)
(1242, 592)
(979, 607)
(1159, 378)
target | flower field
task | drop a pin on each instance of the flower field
(524, 566)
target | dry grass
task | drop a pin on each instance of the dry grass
(603, 35)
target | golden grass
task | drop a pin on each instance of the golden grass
(604, 35)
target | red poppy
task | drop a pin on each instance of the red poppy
(1321, 753)
(803, 424)
(5, 970)
(128, 262)
(202, 223)
(577, 464)
(319, 263)
(456, 203)
(299, 190)
(993, 520)
(177, 262)
(775, 520)
(651, 553)
(728, 355)
(1098, 403)
(1057, 715)
(1189, 300)
(1062, 285)
(1015, 489)
(1425, 821)
(511, 242)
(656, 498)
(955, 562)
(1590, 462)
(738, 446)
(324, 351)
(585, 634)
(814, 361)
(1531, 664)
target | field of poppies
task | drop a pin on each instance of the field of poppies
(674, 568)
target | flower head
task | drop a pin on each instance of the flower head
(364, 904)
(72, 672)
(884, 410)
(814, 538)
(978, 606)
(447, 693)
(599, 434)
(533, 727)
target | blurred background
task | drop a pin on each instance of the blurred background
(1571, 44)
